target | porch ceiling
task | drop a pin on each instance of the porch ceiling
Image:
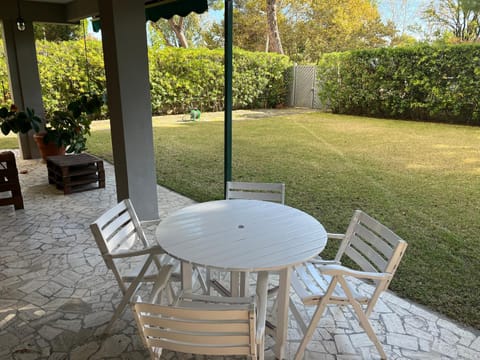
(62, 11)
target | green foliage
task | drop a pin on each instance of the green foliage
(182, 79)
(4, 86)
(55, 32)
(307, 28)
(63, 71)
(18, 121)
(438, 83)
(454, 20)
(69, 128)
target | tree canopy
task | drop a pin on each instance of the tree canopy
(454, 20)
(307, 28)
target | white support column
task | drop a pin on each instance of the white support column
(126, 66)
(24, 77)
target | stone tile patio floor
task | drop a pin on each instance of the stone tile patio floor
(56, 294)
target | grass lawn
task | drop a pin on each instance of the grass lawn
(420, 179)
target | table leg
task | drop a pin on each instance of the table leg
(283, 299)
(262, 294)
(186, 276)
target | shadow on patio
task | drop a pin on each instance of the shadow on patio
(56, 295)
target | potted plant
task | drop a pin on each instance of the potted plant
(69, 129)
(64, 131)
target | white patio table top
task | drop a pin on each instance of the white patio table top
(245, 235)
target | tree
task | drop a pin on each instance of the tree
(307, 28)
(54, 32)
(177, 31)
(459, 19)
(315, 27)
(273, 33)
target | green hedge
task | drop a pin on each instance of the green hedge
(64, 74)
(419, 83)
(180, 78)
(185, 78)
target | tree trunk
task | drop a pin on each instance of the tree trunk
(274, 34)
(178, 29)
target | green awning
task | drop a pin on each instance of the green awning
(165, 9)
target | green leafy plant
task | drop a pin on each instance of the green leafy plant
(12, 120)
(70, 128)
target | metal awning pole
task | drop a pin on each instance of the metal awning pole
(228, 90)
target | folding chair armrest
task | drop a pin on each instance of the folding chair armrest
(154, 250)
(318, 260)
(334, 270)
(335, 236)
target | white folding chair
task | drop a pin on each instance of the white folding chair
(377, 252)
(128, 254)
(204, 325)
(274, 192)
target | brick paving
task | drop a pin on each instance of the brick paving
(56, 294)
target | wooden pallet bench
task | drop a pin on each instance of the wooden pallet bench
(76, 172)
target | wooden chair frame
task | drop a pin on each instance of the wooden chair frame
(375, 249)
(119, 235)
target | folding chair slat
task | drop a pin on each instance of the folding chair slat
(376, 227)
(256, 186)
(361, 261)
(124, 239)
(309, 285)
(369, 253)
(116, 223)
(264, 196)
(374, 240)
(176, 324)
(111, 214)
(193, 314)
(193, 335)
(199, 349)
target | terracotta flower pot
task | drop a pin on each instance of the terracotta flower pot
(49, 149)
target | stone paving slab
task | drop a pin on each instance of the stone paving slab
(56, 295)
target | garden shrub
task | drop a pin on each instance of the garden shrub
(436, 83)
(179, 78)
(182, 78)
(63, 71)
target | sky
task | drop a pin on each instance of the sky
(404, 13)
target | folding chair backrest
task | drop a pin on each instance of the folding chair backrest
(274, 192)
(373, 247)
(118, 229)
(225, 330)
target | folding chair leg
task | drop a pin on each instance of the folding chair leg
(311, 329)
(244, 283)
(362, 319)
(128, 294)
(203, 283)
(315, 319)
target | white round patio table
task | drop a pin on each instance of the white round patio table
(241, 236)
